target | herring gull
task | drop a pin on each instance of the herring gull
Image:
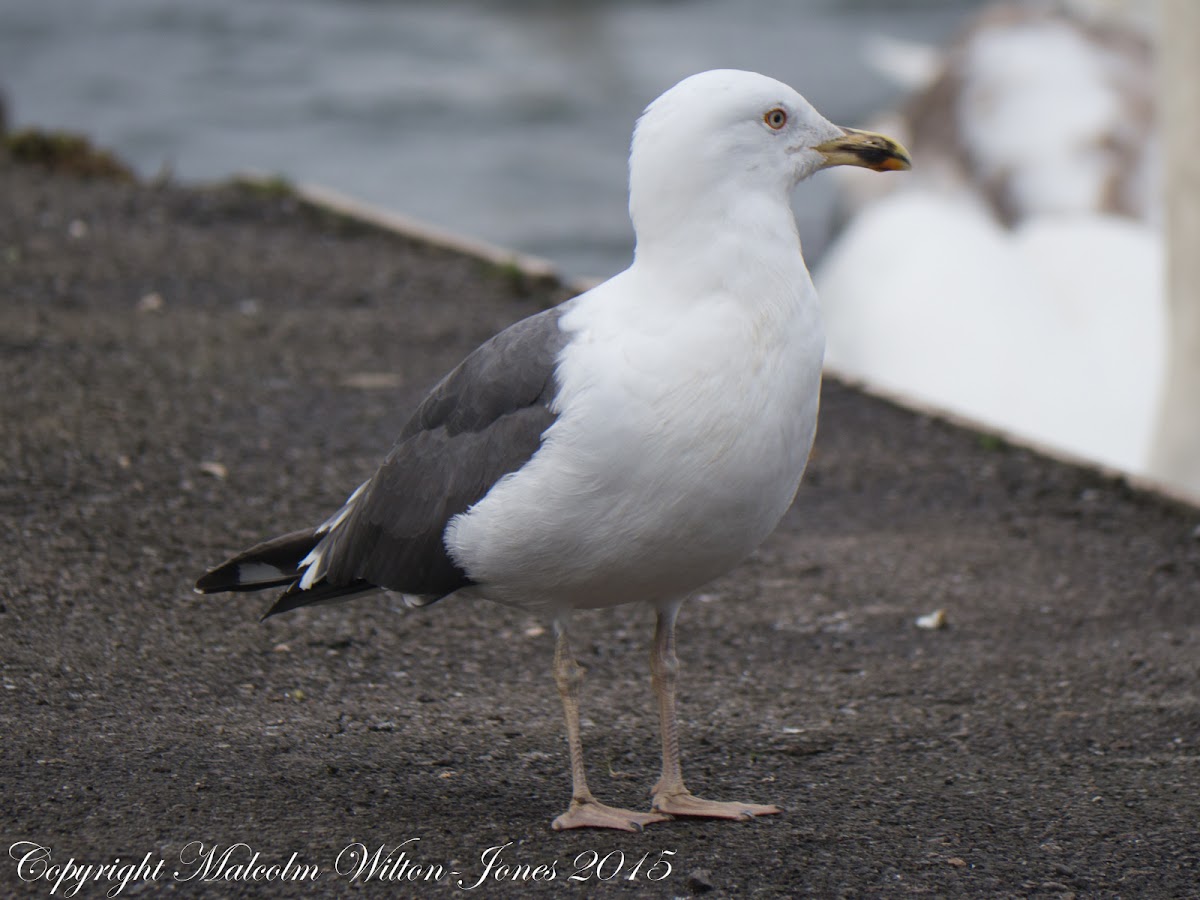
(629, 445)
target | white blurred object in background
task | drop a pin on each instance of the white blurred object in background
(1016, 277)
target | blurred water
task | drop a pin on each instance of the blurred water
(508, 121)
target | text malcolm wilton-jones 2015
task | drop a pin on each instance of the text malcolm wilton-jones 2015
(356, 862)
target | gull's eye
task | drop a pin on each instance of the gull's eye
(775, 118)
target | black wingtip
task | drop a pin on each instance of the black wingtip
(286, 602)
(228, 578)
(321, 592)
(214, 580)
(271, 564)
(277, 564)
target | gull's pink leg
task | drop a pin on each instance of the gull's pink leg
(585, 810)
(671, 795)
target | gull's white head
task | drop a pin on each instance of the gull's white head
(727, 133)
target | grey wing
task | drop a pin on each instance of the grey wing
(484, 420)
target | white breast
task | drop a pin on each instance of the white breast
(682, 435)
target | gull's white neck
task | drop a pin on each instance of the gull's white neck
(732, 242)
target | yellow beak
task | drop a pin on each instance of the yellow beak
(866, 149)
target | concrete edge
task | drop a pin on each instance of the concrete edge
(340, 204)
(536, 267)
(960, 420)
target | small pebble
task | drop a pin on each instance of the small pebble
(372, 381)
(215, 469)
(151, 303)
(934, 621)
